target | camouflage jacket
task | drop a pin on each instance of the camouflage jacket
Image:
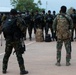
(63, 24)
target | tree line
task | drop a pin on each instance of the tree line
(23, 5)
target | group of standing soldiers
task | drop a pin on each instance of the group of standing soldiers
(39, 20)
(44, 22)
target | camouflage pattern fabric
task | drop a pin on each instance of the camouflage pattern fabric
(8, 50)
(17, 45)
(67, 47)
(63, 29)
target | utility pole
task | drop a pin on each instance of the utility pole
(46, 5)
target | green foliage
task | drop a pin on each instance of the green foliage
(23, 5)
(39, 2)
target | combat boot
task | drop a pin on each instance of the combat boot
(68, 60)
(68, 64)
(22, 70)
(4, 71)
(4, 67)
(58, 64)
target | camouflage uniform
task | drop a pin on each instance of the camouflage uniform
(63, 27)
(17, 43)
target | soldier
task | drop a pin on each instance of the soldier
(49, 21)
(54, 15)
(32, 22)
(63, 25)
(27, 19)
(43, 19)
(73, 16)
(38, 21)
(14, 40)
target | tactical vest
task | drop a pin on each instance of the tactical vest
(63, 31)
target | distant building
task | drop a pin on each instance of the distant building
(5, 10)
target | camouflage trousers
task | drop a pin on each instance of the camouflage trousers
(67, 44)
(8, 51)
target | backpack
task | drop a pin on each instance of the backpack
(8, 26)
(47, 38)
(63, 26)
(39, 35)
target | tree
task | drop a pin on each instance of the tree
(23, 5)
(39, 2)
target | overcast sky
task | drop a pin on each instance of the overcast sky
(51, 4)
(56, 4)
(5, 5)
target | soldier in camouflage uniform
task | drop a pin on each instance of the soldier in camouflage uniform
(15, 42)
(63, 25)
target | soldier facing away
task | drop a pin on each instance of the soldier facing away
(63, 25)
(14, 39)
(73, 16)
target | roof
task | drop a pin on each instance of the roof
(5, 9)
